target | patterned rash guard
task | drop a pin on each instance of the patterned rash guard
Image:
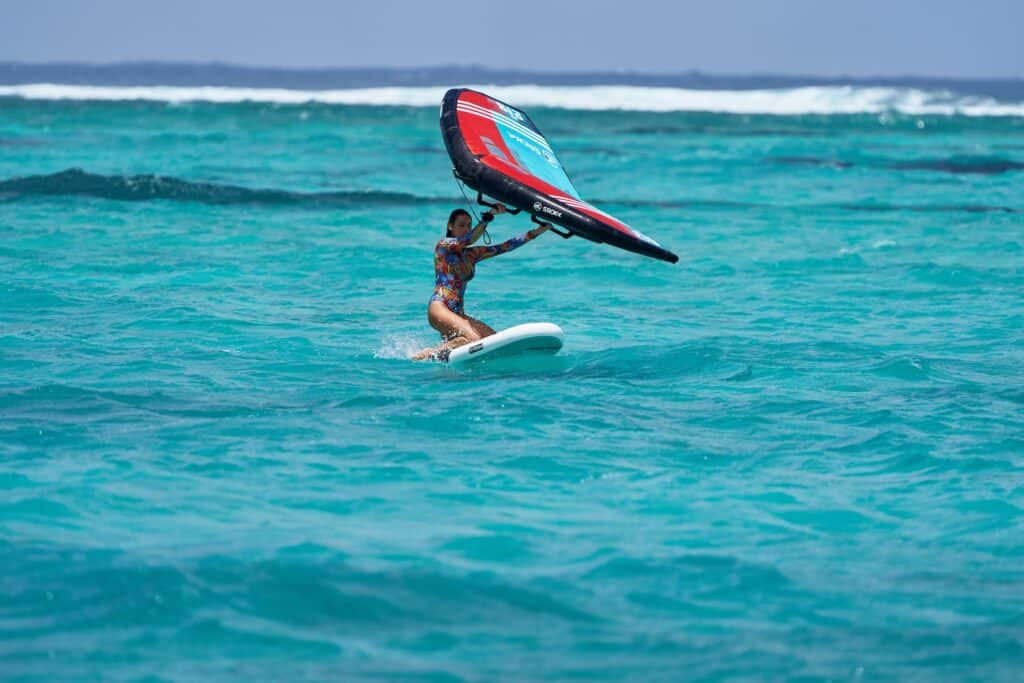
(455, 264)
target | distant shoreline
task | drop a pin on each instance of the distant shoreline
(188, 74)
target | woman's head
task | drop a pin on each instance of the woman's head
(458, 223)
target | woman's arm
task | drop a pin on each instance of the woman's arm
(475, 234)
(481, 253)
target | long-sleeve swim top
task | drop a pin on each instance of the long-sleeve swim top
(455, 264)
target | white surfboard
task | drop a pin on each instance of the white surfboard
(529, 339)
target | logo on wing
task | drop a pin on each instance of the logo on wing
(540, 208)
(513, 113)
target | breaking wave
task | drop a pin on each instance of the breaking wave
(821, 100)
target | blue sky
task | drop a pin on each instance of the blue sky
(979, 38)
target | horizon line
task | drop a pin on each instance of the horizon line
(694, 73)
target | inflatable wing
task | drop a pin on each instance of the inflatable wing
(498, 151)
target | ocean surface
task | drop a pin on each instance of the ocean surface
(797, 454)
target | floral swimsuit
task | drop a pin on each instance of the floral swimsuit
(455, 265)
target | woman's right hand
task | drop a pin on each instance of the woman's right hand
(498, 208)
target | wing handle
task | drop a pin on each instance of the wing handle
(482, 202)
(564, 235)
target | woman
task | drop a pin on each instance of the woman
(454, 265)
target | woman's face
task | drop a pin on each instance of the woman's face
(460, 226)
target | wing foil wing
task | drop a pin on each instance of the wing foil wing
(497, 150)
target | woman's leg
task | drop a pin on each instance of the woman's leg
(455, 331)
(441, 351)
(481, 328)
(451, 325)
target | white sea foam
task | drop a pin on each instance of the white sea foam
(789, 101)
(399, 346)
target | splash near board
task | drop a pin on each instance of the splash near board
(526, 340)
(497, 151)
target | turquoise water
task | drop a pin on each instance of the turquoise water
(796, 454)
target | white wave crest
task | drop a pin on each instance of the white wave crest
(789, 101)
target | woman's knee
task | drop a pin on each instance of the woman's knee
(482, 329)
(468, 333)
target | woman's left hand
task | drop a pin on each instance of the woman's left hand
(498, 208)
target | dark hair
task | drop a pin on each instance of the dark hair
(451, 219)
